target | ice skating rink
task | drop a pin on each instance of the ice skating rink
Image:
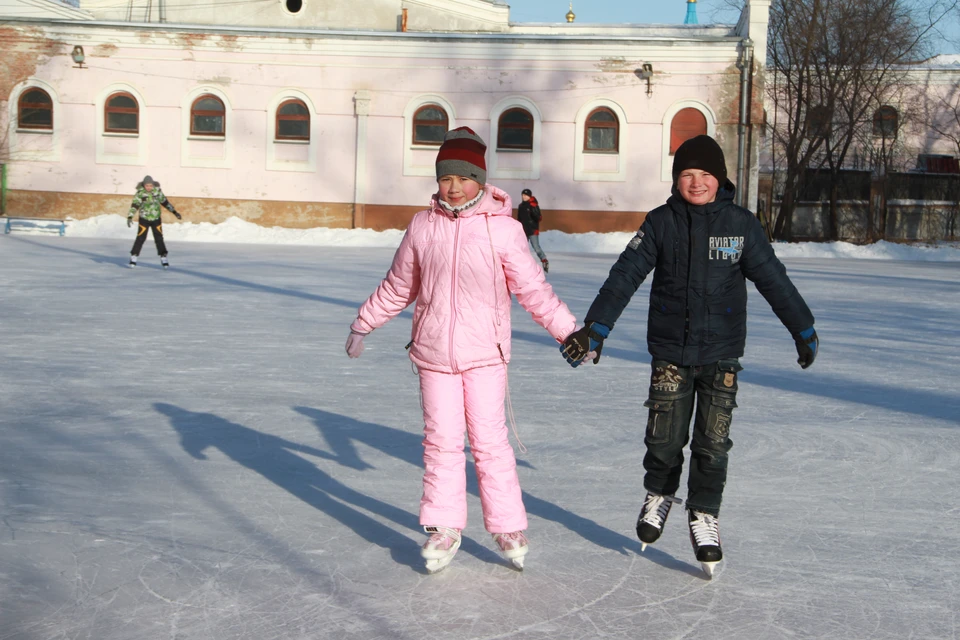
(189, 455)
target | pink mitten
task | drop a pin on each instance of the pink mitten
(355, 344)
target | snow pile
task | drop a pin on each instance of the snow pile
(235, 230)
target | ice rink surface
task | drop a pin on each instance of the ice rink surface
(189, 455)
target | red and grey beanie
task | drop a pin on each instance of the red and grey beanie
(701, 152)
(461, 154)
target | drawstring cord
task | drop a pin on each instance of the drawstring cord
(503, 361)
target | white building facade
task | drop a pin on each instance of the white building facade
(304, 114)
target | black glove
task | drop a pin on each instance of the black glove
(129, 222)
(179, 217)
(578, 344)
(807, 346)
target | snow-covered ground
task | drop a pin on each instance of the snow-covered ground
(189, 455)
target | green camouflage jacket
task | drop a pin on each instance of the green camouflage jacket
(148, 203)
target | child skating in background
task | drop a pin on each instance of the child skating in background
(701, 247)
(529, 215)
(459, 260)
(147, 202)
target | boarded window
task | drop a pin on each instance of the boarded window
(687, 123)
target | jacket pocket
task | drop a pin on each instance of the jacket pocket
(726, 322)
(659, 421)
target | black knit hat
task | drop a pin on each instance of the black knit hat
(701, 152)
(526, 192)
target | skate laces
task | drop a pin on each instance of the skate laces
(441, 538)
(656, 508)
(705, 528)
(509, 541)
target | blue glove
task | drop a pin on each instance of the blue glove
(578, 344)
(807, 346)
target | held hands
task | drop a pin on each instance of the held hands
(807, 346)
(583, 343)
(355, 344)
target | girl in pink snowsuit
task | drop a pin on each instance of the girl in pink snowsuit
(460, 260)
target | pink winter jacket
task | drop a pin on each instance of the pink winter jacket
(461, 270)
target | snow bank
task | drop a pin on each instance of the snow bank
(240, 231)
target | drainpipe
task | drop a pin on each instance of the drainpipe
(746, 66)
(3, 189)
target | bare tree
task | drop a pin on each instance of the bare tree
(835, 63)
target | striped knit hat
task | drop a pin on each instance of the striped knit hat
(461, 154)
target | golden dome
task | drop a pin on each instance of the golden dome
(571, 16)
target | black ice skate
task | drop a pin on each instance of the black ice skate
(705, 537)
(653, 516)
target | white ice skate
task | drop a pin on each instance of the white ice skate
(513, 546)
(439, 550)
(164, 262)
(705, 538)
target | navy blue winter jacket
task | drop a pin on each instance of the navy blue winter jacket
(700, 257)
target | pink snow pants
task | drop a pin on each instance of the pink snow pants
(471, 401)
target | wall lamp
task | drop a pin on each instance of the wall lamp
(78, 57)
(645, 72)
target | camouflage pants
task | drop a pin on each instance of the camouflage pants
(673, 391)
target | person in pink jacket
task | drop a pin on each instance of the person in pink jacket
(460, 260)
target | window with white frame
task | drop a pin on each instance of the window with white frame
(426, 119)
(515, 125)
(601, 142)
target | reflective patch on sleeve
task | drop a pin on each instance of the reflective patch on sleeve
(635, 240)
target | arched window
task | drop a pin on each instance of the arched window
(35, 110)
(885, 122)
(293, 120)
(602, 132)
(818, 122)
(515, 129)
(121, 114)
(207, 116)
(687, 123)
(429, 125)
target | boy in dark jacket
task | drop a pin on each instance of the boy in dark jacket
(529, 215)
(701, 248)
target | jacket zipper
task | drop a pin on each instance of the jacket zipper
(453, 289)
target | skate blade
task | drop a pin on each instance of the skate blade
(435, 565)
(643, 547)
(517, 563)
(708, 568)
